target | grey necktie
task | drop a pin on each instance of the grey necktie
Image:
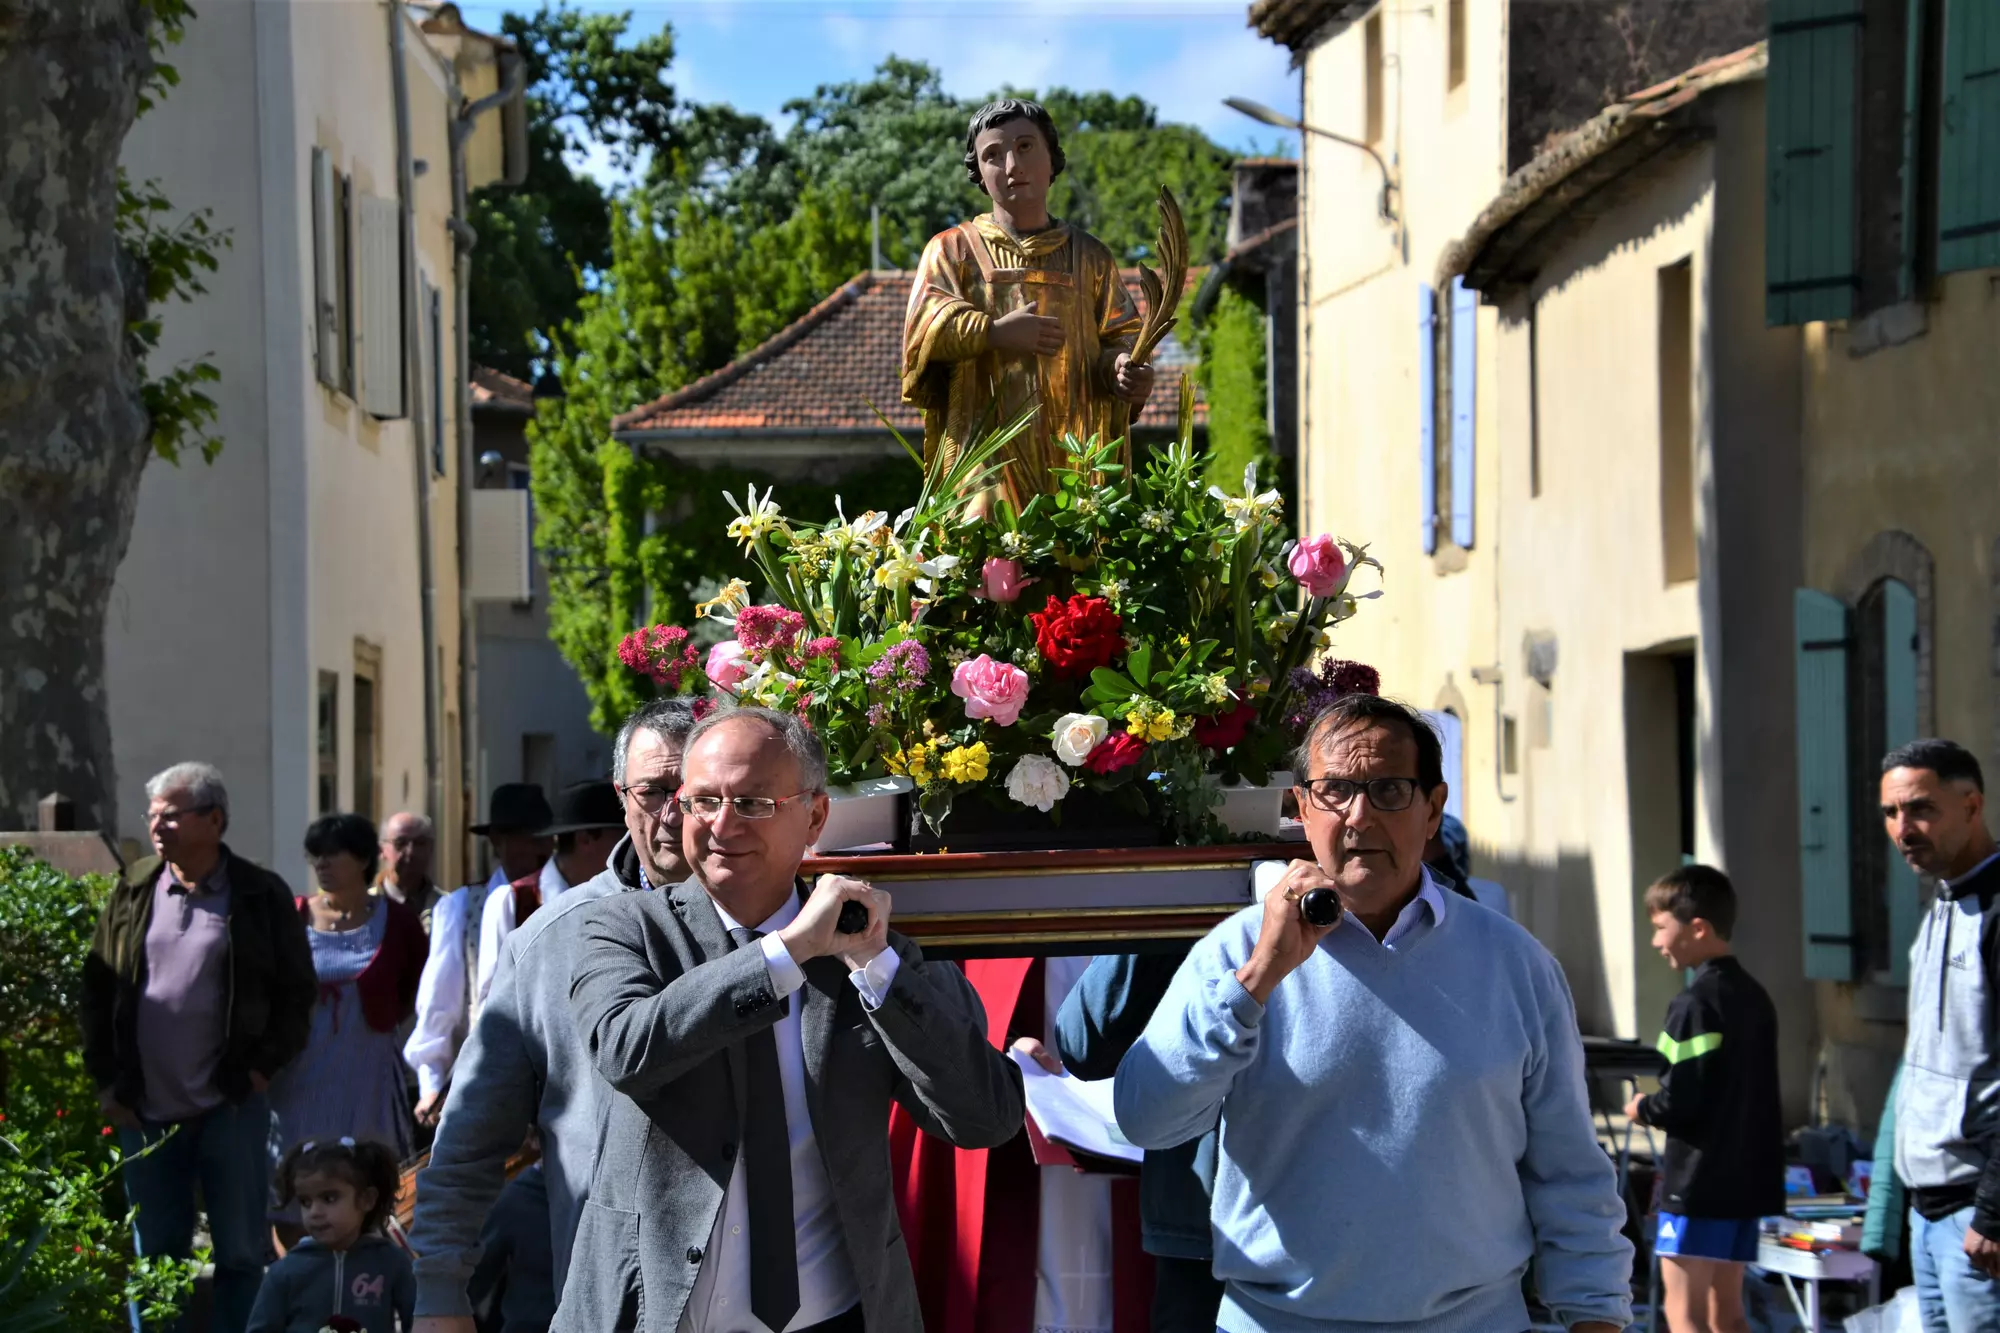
(767, 1172)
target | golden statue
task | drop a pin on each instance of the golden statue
(1016, 307)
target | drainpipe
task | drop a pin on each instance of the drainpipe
(514, 81)
(406, 188)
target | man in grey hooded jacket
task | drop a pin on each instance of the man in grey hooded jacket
(524, 1066)
(1947, 1109)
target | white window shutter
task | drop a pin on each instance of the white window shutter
(1427, 398)
(498, 548)
(381, 350)
(1820, 640)
(326, 269)
(1464, 389)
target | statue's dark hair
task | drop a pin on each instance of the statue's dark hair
(999, 113)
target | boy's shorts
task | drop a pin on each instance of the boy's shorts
(1730, 1239)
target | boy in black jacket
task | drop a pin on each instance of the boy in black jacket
(1724, 1167)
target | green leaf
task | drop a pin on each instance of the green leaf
(1140, 664)
(1114, 684)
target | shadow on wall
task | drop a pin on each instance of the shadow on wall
(1557, 902)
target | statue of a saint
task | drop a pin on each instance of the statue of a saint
(1015, 306)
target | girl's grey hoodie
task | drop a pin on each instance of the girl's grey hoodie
(370, 1283)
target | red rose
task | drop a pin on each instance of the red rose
(1121, 749)
(1224, 730)
(1077, 638)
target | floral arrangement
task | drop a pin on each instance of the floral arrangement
(1144, 635)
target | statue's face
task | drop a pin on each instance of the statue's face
(1014, 163)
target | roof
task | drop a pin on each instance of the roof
(500, 392)
(1569, 184)
(1296, 24)
(818, 376)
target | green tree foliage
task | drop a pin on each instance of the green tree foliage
(1233, 379)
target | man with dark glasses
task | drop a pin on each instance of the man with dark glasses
(1397, 1075)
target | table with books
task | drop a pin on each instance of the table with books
(1815, 1242)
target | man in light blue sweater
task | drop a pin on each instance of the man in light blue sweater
(1404, 1123)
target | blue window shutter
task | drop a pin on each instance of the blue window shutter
(1899, 717)
(1819, 654)
(1969, 138)
(1810, 264)
(1464, 389)
(1427, 400)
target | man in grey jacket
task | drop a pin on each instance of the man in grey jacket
(1947, 1107)
(743, 1181)
(524, 1066)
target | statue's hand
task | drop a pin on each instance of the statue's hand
(1024, 333)
(1134, 382)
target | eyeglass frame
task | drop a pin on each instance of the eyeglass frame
(1313, 790)
(174, 817)
(686, 805)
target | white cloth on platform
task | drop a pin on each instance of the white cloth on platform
(1073, 1252)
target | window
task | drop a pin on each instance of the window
(367, 731)
(327, 749)
(1510, 745)
(1676, 390)
(333, 273)
(1882, 714)
(1372, 74)
(1968, 215)
(1454, 44)
(1464, 388)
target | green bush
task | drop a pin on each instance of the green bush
(65, 1233)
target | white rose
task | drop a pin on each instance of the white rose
(1076, 735)
(1038, 781)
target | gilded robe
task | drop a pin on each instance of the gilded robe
(977, 272)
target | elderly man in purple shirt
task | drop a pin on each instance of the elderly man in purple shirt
(199, 988)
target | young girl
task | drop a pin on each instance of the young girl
(345, 1267)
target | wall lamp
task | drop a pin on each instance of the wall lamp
(1258, 111)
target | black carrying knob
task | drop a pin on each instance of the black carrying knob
(853, 919)
(1320, 907)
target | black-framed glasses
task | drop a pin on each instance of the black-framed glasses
(1386, 794)
(648, 797)
(743, 807)
(176, 816)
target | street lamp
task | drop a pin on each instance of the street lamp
(1258, 111)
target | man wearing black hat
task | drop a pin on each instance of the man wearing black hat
(588, 823)
(516, 820)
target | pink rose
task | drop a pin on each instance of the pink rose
(991, 689)
(1001, 581)
(1319, 565)
(726, 665)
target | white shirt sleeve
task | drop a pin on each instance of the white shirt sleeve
(874, 980)
(496, 925)
(440, 1017)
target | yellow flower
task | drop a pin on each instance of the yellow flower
(966, 763)
(1161, 726)
(733, 598)
(913, 763)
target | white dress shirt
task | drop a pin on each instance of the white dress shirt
(440, 1017)
(720, 1302)
(1423, 911)
(498, 923)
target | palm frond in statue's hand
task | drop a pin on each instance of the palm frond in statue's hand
(1163, 296)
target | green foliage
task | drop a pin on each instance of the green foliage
(65, 1254)
(1231, 347)
(170, 258)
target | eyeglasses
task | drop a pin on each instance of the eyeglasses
(745, 807)
(1386, 794)
(648, 797)
(176, 816)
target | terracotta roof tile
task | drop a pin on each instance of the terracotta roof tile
(493, 388)
(823, 371)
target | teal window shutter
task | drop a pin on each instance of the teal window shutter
(1969, 138)
(1427, 401)
(1811, 268)
(1820, 642)
(1899, 718)
(1464, 388)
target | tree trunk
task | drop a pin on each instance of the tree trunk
(74, 433)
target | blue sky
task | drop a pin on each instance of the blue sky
(1184, 56)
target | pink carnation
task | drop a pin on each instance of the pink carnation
(661, 652)
(992, 690)
(761, 628)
